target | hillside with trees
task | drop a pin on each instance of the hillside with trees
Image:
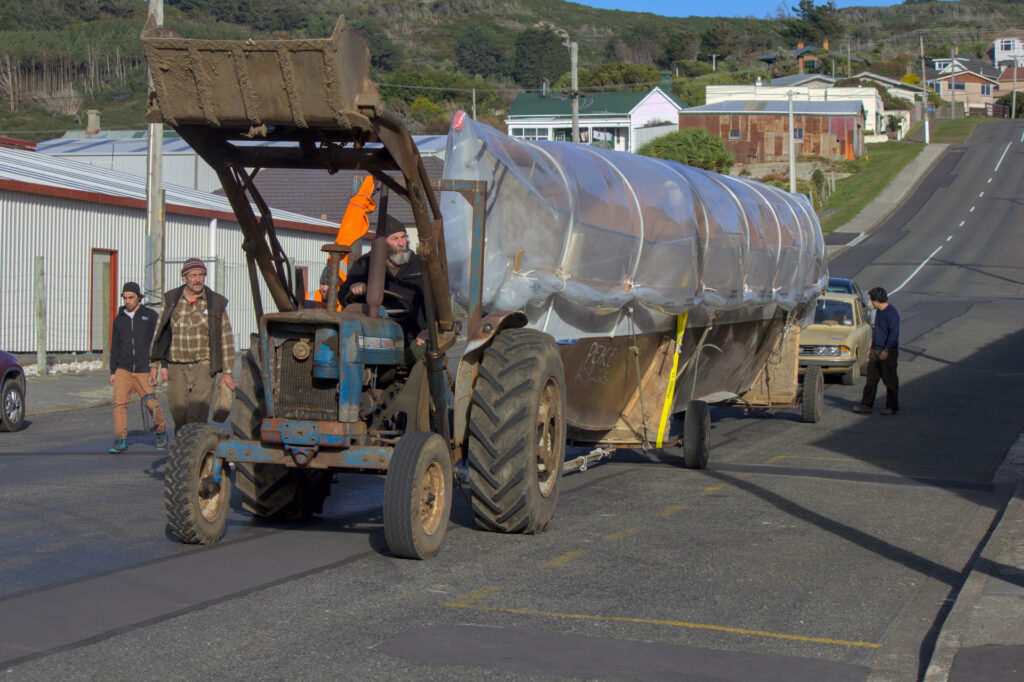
(59, 58)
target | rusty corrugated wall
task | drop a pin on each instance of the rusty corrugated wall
(762, 138)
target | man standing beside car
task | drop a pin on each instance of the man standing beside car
(885, 341)
(193, 344)
(130, 336)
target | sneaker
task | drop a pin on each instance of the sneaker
(120, 445)
(161, 440)
(862, 409)
(887, 411)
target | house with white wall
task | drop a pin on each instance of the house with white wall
(624, 121)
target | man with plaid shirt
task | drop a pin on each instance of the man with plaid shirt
(193, 343)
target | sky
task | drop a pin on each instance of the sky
(721, 8)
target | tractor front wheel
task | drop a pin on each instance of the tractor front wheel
(196, 504)
(418, 495)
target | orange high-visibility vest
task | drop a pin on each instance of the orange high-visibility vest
(354, 224)
(315, 296)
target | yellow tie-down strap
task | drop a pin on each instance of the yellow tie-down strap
(666, 409)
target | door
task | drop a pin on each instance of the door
(103, 297)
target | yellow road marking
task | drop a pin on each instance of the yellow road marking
(621, 534)
(466, 601)
(672, 623)
(669, 511)
(714, 489)
(563, 560)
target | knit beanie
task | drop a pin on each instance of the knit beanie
(132, 287)
(193, 264)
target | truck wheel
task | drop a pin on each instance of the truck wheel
(850, 378)
(197, 507)
(517, 433)
(696, 435)
(270, 491)
(417, 495)
(812, 401)
(12, 404)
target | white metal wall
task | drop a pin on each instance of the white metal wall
(65, 232)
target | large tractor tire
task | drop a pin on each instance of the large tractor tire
(270, 491)
(418, 495)
(812, 400)
(517, 433)
(197, 507)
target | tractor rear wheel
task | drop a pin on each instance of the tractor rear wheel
(270, 491)
(418, 495)
(196, 505)
(517, 433)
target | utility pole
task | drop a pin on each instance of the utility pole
(952, 82)
(154, 190)
(1013, 98)
(474, 104)
(849, 61)
(575, 84)
(713, 62)
(924, 94)
(792, 147)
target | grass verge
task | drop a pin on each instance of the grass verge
(955, 131)
(874, 173)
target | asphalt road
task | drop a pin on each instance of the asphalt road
(826, 551)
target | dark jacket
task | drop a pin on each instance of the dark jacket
(886, 334)
(130, 338)
(407, 282)
(215, 307)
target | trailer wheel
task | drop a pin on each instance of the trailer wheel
(696, 435)
(196, 506)
(517, 433)
(850, 378)
(12, 406)
(270, 491)
(812, 401)
(418, 495)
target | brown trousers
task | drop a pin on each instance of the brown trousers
(125, 384)
(189, 392)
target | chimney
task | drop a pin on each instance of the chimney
(93, 125)
(800, 45)
(825, 44)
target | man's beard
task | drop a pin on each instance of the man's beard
(400, 256)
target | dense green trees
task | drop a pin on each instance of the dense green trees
(693, 147)
(539, 55)
(485, 50)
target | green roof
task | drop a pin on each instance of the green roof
(594, 104)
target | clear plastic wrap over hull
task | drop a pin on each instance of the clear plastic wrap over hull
(597, 232)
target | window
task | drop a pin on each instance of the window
(959, 85)
(1008, 45)
(798, 133)
(530, 133)
(734, 135)
(986, 89)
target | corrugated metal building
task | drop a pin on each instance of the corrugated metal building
(90, 226)
(758, 131)
(125, 150)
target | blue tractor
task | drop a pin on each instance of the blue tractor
(323, 391)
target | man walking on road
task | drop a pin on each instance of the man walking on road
(193, 344)
(130, 337)
(885, 341)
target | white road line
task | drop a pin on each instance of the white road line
(860, 237)
(990, 181)
(1022, 137)
(972, 209)
(1004, 152)
(981, 195)
(923, 263)
(962, 223)
(949, 237)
